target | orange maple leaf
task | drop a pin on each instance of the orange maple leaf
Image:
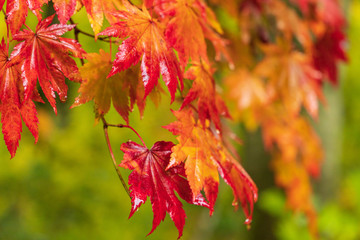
(247, 92)
(294, 178)
(291, 78)
(96, 9)
(102, 90)
(145, 41)
(286, 19)
(298, 141)
(298, 155)
(210, 105)
(184, 32)
(205, 157)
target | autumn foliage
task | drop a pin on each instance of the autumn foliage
(273, 61)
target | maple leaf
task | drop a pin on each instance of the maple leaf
(185, 33)
(325, 60)
(324, 11)
(298, 141)
(205, 156)
(46, 56)
(12, 108)
(287, 19)
(96, 9)
(29, 116)
(149, 178)
(35, 4)
(212, 31)
(17, 10)
(191, 22)
(295, 180)
(160, 7)
(210, 104)
(16, 13)
(145, 41)
(103, 90)
(64, 9)
(248, 95)
(291, 78)
(330, 12)
(298, 155)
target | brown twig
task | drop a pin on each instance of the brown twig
(76, 35)
(77, 31)
(7, 30)
(105, 126)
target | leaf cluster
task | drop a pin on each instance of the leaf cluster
(274, 74)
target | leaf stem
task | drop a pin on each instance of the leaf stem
(27, 26)
(110, 48)
(77, 31)
(7, 30)
(130, 127)
(76, 35)
(105, 126)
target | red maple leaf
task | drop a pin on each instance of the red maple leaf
(46, 56)
(16, 11)
(145, 41)
(326, 11)
(325, 60)
(12, 108)
(64, 9)
(149, 178)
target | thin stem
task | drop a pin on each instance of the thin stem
(130, 127)
(27, 26)
(110, 48)
(76, 35)
(7, 30)
(77, 31)
(105, 125)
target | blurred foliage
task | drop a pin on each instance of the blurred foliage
(65, 186)
(339, 207)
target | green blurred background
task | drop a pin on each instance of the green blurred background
(65, 187)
